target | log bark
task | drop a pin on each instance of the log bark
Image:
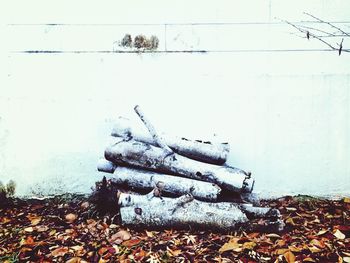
(105, 166)
(205, 151)
(149, 157)
(166, 184)
(183, 212)
(157, 139)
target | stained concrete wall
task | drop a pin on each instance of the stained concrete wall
(282, 102)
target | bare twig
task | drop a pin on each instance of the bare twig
(328, 23)
(311, 33)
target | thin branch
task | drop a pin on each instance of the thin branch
(319, 30)
(328, 23)
(311, 35)
(307, 32)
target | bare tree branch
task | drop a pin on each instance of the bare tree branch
(311, 33)
(328, 23)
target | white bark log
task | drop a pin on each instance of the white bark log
(149, 157)
(105, 166)
(167, 184)
(157, 139)
(181, 212)
(215, 153)
(150, 211)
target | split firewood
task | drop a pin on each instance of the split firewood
(185, 211)
(205, 151)
(168, 184)
(146, 156)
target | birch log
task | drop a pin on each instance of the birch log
(251, 211)
(205, 151)
(105, 166)
(156, 138)
(184, 212)
(149, 157)
(167, 184)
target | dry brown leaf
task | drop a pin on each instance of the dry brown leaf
(289, 256)
(231, 245)
(322, 232)
(131, 242)
(34, 219)
(338, 234)
(149, 233)
(70, 218)
(119, 237)
(314, 249)
(281, 251)
(41, 228)
(273, 235)
(290, 221)
(76, 260)
(249, 245)
(173, 253)
(308, 259)
(295, 249)
(85, 205)
(60, 252)
(29, 229)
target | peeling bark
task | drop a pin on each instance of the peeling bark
(215, 153)
(149, 157)
(184, 212)
(167, 184)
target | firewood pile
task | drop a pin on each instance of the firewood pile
(180, 183)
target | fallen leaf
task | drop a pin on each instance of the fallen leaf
(314, 249)
(76, 260)
(249, 245)
(338, 234)
(174, 253)
(322, 232)
(41, 228)
(281, 251)
(85, 205)
(29, 229)
(149, 233)
(60, 252)
(231, 245)
(290, 221)
(289, 256)
(119, 237)
(34, 219)
(295, 249)
(273, 235)
(131, 242)
(70, 218)
(308, 259)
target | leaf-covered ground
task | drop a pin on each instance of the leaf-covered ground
(65, 230)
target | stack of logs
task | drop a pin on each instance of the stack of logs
(187, 181)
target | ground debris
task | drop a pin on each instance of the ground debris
(65, 230)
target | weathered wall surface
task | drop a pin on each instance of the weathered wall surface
(282, 102)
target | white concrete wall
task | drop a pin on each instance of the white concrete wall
(282, 102)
